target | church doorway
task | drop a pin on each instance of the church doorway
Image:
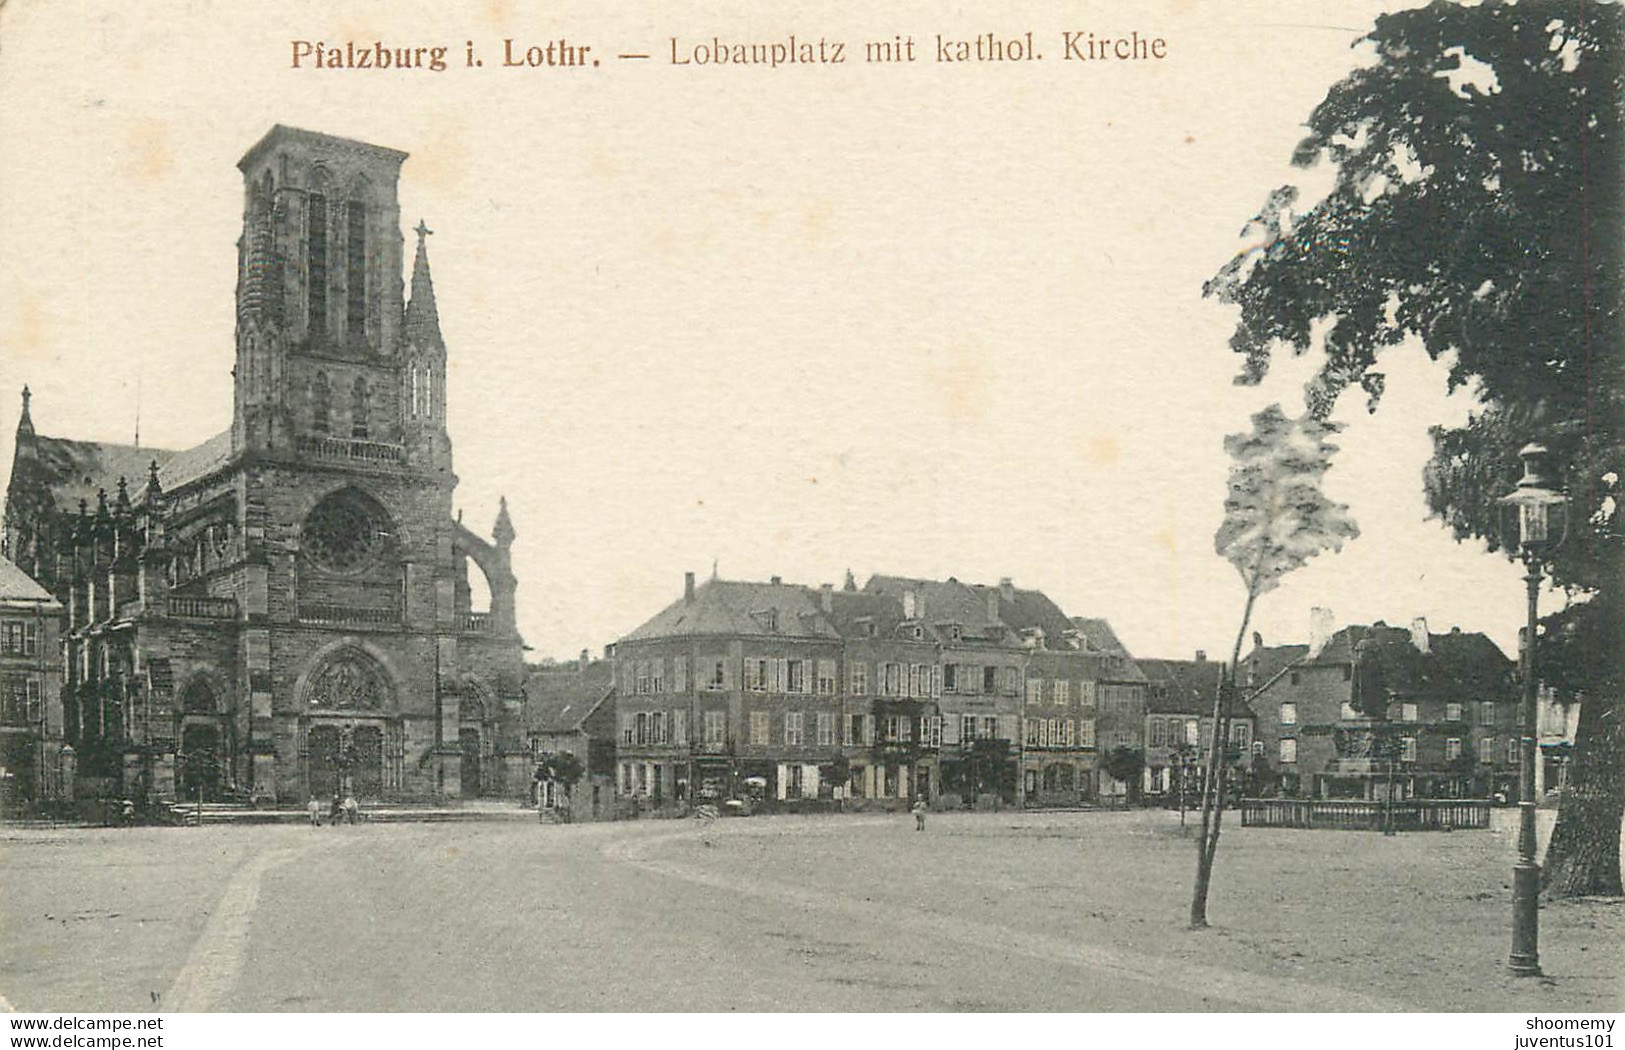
(470, 741)
(367, 762)
(346, 760)
(324, 761)
(202, 761)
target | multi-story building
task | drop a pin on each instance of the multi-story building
(1447, 721)
(36, 765)
(284, 610)
(1179, 724)
(904, 688)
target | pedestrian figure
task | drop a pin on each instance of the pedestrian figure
(351, 810)
(918, 809)
(335, 812)
(127, 812)
(315, 810)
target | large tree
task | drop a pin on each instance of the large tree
(1477, 209)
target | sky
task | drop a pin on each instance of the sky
(927, 319)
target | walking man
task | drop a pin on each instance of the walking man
(314, 808)
(918, 809)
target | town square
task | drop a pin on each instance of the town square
(1029, 533)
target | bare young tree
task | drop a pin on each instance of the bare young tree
(1276, 517)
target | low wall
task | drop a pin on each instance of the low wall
(1423, 814)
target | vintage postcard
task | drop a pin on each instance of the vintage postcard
(702, 508)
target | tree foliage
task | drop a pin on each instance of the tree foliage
(1276, 516)
(1125, 765)
(561, 767)
(1478, 209)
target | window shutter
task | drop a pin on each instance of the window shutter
(1007, 727)
(950, 730)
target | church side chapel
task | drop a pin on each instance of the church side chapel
(284, 611)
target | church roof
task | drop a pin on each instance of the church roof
(75, 470)
(283, 134)
(191, 464)
(17, 586)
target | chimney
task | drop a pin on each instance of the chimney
(586, 658)
(775, 581)
(1201, 656)
(992, 606)
(1007, 588)
(1320, 630)
(1419, 635)
(826, 597)
(908, 605)
(688, 587)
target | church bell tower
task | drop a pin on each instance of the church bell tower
(320, 316)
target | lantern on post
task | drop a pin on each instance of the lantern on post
(1536, 513)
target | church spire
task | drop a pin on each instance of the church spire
(502, 531)
(25, 423)
(422, 318)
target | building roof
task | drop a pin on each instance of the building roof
(78, 470)
(1185, 687)
(1099, 636)
(942, 602)
(736, 607)
(1457, 664)
(1265, 662)
(559, 699)
(190, 464)
(17, 586)
(1028, 610)
(281, 134)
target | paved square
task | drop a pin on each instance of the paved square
(1075, 911)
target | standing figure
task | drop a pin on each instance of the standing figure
(314, 808)
(918, 809)
(351, 810)
(335, 812)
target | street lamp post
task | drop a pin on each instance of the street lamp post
(1541, 521)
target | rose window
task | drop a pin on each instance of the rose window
(346, 533)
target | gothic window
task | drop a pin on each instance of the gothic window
(347, 532)
(316, 253)
(428, 391)
(414, 386)
(355, 272)
(359, 398)
(320, 405)
(349, 681)
(199, 699)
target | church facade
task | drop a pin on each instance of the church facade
(285, 610)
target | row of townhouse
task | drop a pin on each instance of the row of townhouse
(905, 688)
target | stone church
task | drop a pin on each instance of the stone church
(285, 610)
